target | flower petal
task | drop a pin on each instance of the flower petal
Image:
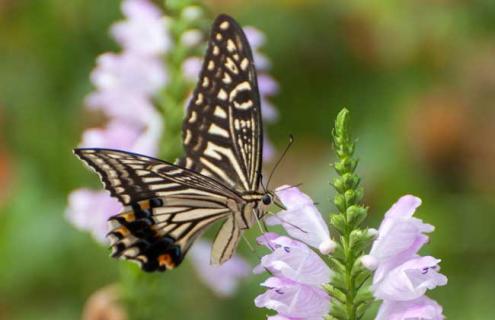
(400, 236)
(293, 260)
(293, 300)
(301, 220)
(144, 31)
(221, 279)
(422, 308)
(410, 280)
(89, 210)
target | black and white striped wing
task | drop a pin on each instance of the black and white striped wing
(222, 131)
(165, 207)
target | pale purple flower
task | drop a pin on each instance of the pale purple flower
(148, 142)
(191, 68)
(125, 86)
(267, 85)
(128, 72)
(410, 280)
(144, 31)
(116, 135)
(302, 220)
(270, 113)
(400, 236)
(280, 317)
(89, 210)
(122, 105)
(420, 309)
(221, 279)
(191, 38)
(293, 260)
(257, 39)
(294, 300)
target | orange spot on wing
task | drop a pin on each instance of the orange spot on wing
(166, 261)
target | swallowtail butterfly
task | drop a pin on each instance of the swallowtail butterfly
(167, 206)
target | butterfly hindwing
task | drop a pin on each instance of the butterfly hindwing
(222, 130)
(166, 207)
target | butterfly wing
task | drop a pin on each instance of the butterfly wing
(222, 132)
(166, 207)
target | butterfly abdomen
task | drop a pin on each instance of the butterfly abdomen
(134, 237)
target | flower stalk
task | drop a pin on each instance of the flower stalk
(183, 16)
(349, 287)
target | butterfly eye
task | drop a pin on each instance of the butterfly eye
(267, 199)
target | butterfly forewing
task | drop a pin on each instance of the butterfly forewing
(222, 132)
(166, 207)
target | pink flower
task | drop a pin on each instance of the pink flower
(128, 72)
(293, 300)
(422, 308)
(144, 31)
(222, 279)
(267, 85)
(302, 220)
(191, 68)
(123, 105)
(410, 280)
(400, 236)
(257, 39)
(116, 135)
(89, 211)
(293, 260)
(125, 86)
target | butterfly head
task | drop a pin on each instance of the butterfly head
(270, 198)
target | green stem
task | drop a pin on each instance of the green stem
(347, 287)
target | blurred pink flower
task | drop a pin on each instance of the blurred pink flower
(126, 84)
(410, 280)
(121, 105)
(129, 72)
(423, 308)
(267, 85)
(222, 279)
(302, 220)
(191, 68)
(294, 300)
(293, 260)
(115, 135)
(89, 211)
(270, 113)
(257, 39)
(191, 38)
(144, 30)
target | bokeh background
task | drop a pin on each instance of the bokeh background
(417, 75)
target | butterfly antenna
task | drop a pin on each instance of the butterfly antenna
(260, 175)
(291, 140)
(290, 187)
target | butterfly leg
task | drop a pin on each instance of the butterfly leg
(226, 241)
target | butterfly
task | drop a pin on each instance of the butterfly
(167, 206)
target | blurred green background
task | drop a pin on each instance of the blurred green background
(417, 75)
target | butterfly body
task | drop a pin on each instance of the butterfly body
(167, 206)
